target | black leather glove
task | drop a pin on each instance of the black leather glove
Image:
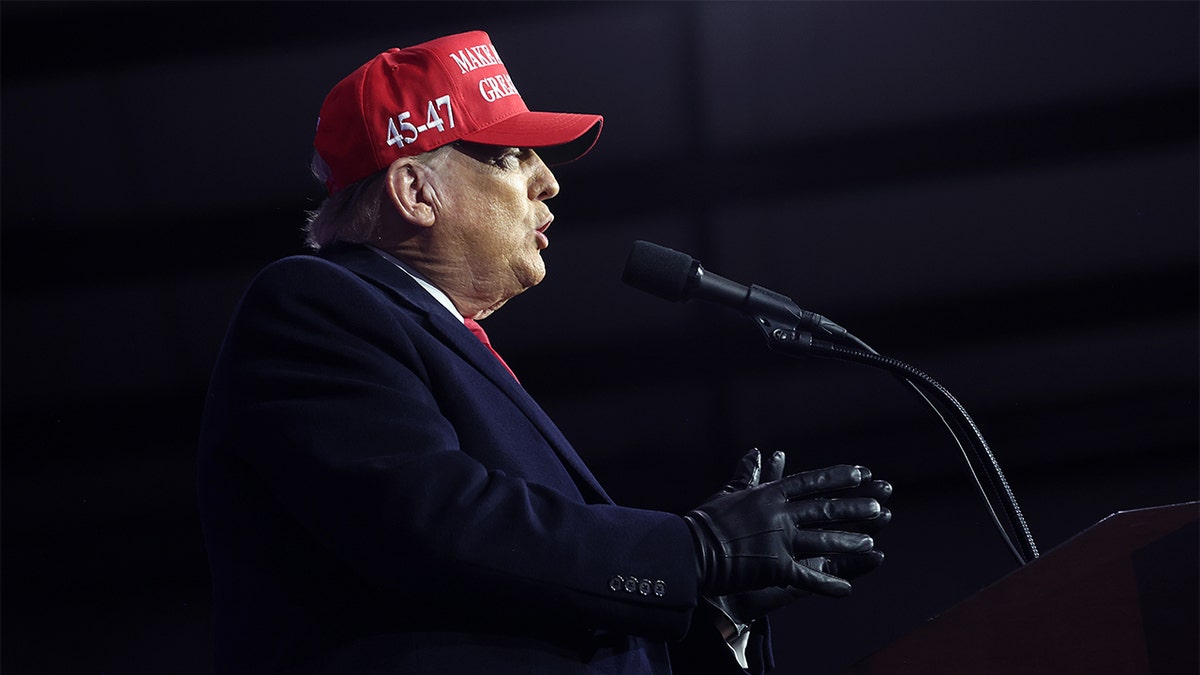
(735, 612)
(761, 535)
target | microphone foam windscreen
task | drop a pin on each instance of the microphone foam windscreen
(658, 270)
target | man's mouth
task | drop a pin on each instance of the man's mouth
(540, 234)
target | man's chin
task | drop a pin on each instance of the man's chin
(534, 276)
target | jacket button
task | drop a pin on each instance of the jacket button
(660, 588)
(644, 587)
(617, 582)
(631, 584)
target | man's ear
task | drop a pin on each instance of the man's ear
(409, 189)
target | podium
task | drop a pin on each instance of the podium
(1120, 597)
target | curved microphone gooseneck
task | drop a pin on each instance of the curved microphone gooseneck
(676, 276)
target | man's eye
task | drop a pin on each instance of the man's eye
(508, 159)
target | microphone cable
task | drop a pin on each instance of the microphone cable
(998, 497)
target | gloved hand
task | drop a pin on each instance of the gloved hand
(853, 565)
(796, 531)
(735, 612)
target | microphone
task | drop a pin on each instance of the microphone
(676, 276)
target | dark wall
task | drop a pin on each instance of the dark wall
(1001, 194)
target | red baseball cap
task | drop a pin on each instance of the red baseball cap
(408, 101)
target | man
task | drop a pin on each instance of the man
(380, 494)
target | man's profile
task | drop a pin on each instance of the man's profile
(381, 494)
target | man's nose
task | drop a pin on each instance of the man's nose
(544, 186)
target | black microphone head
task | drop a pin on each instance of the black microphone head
(659, 270)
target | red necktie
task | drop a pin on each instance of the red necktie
(478, 331)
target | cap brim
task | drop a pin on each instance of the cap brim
(558, 137)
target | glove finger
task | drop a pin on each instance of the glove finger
(752, 605)
(772, 469)
(852, 565)
(747, 473)
(829, 479)
(876, 524)
(868, 526)
(809, 512)
(879, 490)
(817, 543)
(819, 563)
(814, 581)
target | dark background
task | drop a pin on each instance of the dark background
(1001, 194)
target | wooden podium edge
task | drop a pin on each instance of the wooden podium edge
(1081, 607)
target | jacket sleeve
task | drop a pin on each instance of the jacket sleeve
(392, 453)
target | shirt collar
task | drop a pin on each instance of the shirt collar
(436, 292)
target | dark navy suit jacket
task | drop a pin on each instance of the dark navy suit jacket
(379, 495)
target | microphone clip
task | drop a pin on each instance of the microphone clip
(786, 340)
(785, 324)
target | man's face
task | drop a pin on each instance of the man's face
(493, 216)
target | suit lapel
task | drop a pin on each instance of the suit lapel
(374, 267)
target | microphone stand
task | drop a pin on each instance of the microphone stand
(790, 333)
